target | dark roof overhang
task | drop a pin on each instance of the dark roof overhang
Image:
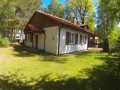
(34, 28)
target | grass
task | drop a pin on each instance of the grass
(22, 70)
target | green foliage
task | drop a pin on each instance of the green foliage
(6, 14)
(118, 46)
(24, 9)
(113, 38)
(14, 14)
(108, 17)
(55, 8)
(83, 10)
(4, 42)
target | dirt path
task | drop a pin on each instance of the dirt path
(95, 49)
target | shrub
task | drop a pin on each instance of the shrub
(118, 47)
(4, 42)
(114, 40)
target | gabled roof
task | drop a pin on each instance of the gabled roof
(62, 22)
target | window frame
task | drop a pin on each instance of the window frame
(29, 37)
(71, 39)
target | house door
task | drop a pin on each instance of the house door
(36, 41)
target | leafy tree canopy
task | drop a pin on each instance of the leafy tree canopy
(55, 8)
(83, 10)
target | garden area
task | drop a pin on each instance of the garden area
(89, 70)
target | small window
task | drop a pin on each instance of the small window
(72, 38)
(29, 37)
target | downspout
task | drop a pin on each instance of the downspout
(32, 40)
(87, 41)
(59, 42)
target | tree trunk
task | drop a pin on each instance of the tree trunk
(83, 18)
(106, 45)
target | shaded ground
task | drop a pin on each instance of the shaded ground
(91, 70)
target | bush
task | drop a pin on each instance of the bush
(4, 42)
(113, 40)
(118, 47)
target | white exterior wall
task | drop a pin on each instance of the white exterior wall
(28, 43)
(51, 41)
(70, 48)
(40, 40)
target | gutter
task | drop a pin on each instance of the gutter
(59, 42)
(44, 40)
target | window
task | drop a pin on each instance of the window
(29, 37)
(81, 39)
(71, 38)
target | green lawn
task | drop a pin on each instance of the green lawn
(21, 70)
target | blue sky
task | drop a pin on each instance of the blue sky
(47, 2)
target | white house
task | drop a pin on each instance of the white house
(55, 35)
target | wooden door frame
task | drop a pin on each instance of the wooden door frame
(36, 41)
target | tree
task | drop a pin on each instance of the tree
(108, 18)
(14, 15)
(6, 16)
(83, 10)
(55, 8)
(113, 38)
(24, 9)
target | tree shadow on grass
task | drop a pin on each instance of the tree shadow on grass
(46, 57)
(87, 53)
(21, 51)
(104, 77)
(82, 53)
